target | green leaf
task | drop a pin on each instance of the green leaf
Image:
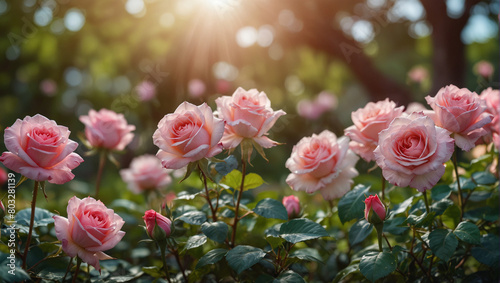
(43, 217)
(351, 205)
(213, 256)
(195, 241)
(484, 178)
(308, 254)
(153, 271)
(420, 221)
(359, 231)
(440, 206)
(289, 277)
(487, 213)
(193, 217)
(443, 243)
(451, 216)
(394, 227)
(402, 207)
(233, 179)
(301, 229)
(52, 268)
(252, 181)
(216, 231)
(274, 242)
(225, 167)
(488, 253)
(243, 257)
(375, 265)
(468, 232)
(271, 208)
(440, 192)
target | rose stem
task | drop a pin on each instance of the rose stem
(242, 186)
(102, 162)
(460, 204)
(32, 221)
(427, 207)
(78, 263)
(67, 269)
(175, 252)
(207, 196)
(164, 260)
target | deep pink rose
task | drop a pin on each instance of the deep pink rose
(3, 176)
(107, 129)
(248, 114)
(292, 205)
(152, 218)
(461, 112)
(40, 150)
(368, 123)
(90, 229)
(411, 152)
(188, 135)
(374, 205)
(322, 162)
(145, 173)
(492, 98)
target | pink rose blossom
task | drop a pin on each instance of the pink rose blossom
(48, 87)
(146, 90)
(415, 107)
(322, 162)
(3, 176)
(40, 150)
(484, 69)
(292, 205)
(152, 218)
(196, 88)
(492, 98)
(188, 135)
(145, 173)
(312, 110)
(307, 109)
(107, 129)
(248, 115)
(411, 152)
(373, 204)
(90, 229)
(418, 74)
(368, 122)
(461, 112)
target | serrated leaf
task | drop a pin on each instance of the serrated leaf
(351, 205)
(271, 208)
(468, 232)
(195, 241)
(440, 207)
(243, 257)
(301, 229)
(488, 253)
(233, 179)
(193, 217)
(440, 192)
(420, 221)
(443, 243)
(359, 231)
(308, 254)
(289, 277)
(211, 257)
(42, 217)
(375, 265)
(216, 231)
(225, 167)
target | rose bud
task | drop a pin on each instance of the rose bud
(292, 206)
(157, 225)
(374, 210)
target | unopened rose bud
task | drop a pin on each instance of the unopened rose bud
(292, 205)
(157, 225)
(374, 210)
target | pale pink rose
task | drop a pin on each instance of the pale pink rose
(90, 229)
(368, 123)
(418, 74)
(107, 129)
(247, 114)
(145, 173)
(196, 88)
(40, 150)
(188, 135)
(415, 107)
(492, 98)
(484, 69)
(48, 87)
(411, 152)
(326, 101)
(292, 205)
(152, 218)
(222, 86)
(307, 109)
(146, 90)
(322, 163)
(461, 112)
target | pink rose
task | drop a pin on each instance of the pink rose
(461, 112)
(3, 176)
(145, 173)
(196, 88)
(188, 135)
(107, 129)
(90, 229)
(492, 98)
(374, 205)
(322, 162)
(411, 152)
(40, 150)
(484, 69)
(146, 90)
(292, 205)
(248, 114)
(415, 107)
(312, 110)
(152, 218)
(418, 74)
(368, 123)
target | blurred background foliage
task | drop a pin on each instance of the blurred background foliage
(61, 58)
